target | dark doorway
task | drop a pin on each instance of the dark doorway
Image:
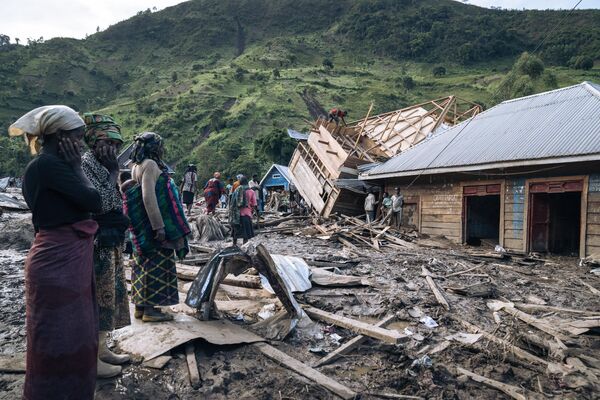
(555, 222)
(482, 219)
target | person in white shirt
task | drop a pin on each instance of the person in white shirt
(397, 204)
(370, 206)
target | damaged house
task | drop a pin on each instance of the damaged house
(524, 174)
(325, 167)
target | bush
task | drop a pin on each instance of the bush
(439, 71)
(530, 65)
(408, 83)
(327, 63)
(581, 62)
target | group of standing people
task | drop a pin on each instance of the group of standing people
(391, 207)
(75, 291)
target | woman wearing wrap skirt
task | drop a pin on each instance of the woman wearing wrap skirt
(100, 165)
(61, 310)
(243, 202)
(212, 192)
(158, 227)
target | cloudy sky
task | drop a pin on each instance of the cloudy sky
(76, 18)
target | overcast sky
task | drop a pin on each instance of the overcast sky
(76, 18)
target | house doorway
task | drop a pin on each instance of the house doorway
(555, 217)
(481, 214)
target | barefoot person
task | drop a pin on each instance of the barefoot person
(159, 230)
(100, 165)
(61, 310)
(242, 204)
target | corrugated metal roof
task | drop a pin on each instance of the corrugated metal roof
(562, 123)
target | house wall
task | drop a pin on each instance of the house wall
(440, 208)
(439, 205)
(271, 181)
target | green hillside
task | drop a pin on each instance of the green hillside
(223, 79)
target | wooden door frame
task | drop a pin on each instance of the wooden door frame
(583, 212)
(463, 217)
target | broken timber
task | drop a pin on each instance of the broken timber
(363, 328)
(435, 289)
(351, 344)
(335, 152)
(190, 357)
(306, 371)
(511, 391)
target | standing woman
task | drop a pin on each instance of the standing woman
(189, 186)
(242, 204)
(212, 192)
(100, 165)
(61, 310)
(158, 227)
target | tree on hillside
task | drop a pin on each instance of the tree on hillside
(582, 62)
(439, 71)
(327, 63)
(4, 42)
(275, 146)
(408, 83)
(529, 64)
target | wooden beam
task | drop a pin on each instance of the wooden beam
(306, 371)
(190, 358)
(351, 344)
(512, 391)
(363, 328)
(435, 289)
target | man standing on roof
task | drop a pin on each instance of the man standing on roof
(397, 204)
(335, 114)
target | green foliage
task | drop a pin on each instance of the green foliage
(582, 62)
(439, 71)
(13, 156)
(408, 83)
(223, 100)
(275, 146)
(531, 65)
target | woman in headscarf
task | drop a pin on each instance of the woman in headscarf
(158, 230)
(189, 186)
(212, 192)
(243, 202)
(61, 309)
(103, 137)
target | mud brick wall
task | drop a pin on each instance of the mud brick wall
(514, 214)
(592, 243)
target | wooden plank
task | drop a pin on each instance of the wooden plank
(13, 363)
(190, 358)
(511, 391)
(539, 307)
(363, 328)
(306, 371)
(187, 272)
(592, 289)
(440, 225)
(513, 243)
(531, 320)
(351, 344)
(455, 218)
(434, 288)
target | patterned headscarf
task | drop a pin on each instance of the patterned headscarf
(100, 127)
(44, 121)
(147, 146)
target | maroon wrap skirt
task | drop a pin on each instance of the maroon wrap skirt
(62, 314)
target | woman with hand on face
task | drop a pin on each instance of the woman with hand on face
(61, 309)
(158, 229)
(103, 137)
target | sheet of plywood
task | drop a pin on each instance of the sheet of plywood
(306, 182)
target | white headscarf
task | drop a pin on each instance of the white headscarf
(42, 121)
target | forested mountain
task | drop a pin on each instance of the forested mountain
(222, 79)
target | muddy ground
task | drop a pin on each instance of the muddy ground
(374, 368)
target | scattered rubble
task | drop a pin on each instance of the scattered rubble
(381, 313)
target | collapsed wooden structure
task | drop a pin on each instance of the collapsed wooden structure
(335, 152)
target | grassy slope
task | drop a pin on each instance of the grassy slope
(208, 114)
